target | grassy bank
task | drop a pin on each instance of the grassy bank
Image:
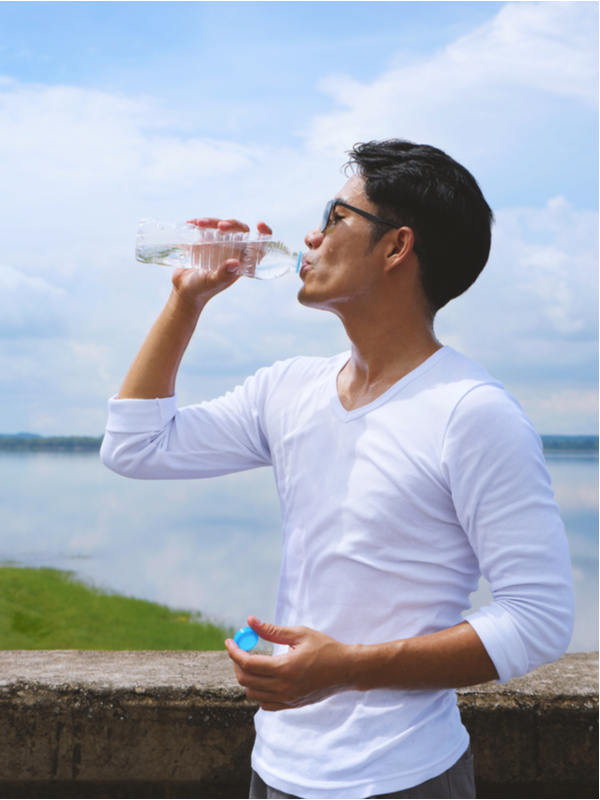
(44, 609)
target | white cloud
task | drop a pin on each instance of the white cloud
(570, 401)
(80, 168)
(454, 97)
(30, 306)
(572, 411)
(83, 135)
(560, 273)
(533, 311)
(548, 46)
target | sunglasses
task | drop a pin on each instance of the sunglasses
(373, 217)
(333, 203)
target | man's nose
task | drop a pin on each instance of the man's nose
(313, 239)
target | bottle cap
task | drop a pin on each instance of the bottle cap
(246, 638)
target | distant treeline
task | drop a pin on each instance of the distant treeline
(574, 444)
(31, 442)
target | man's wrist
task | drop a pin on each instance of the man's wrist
(180, 304)
(371, 666)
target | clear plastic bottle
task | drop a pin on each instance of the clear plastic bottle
(181, 244)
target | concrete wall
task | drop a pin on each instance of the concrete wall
(165, 724)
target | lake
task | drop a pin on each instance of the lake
(213, 546)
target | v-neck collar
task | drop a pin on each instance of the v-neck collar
(356, 413)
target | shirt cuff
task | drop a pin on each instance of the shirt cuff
(501, 639)
(140, 416)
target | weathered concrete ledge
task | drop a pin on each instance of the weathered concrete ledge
(176, 724)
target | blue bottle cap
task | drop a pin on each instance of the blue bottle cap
(246, 639)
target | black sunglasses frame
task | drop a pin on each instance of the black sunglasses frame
(373, 217)
(333, 203)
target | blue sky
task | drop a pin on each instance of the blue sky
(110, 112)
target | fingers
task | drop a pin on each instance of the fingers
(225, 225)
(275, 694)
(263, 228)
(272, 691)
(256, 685)
(229, 225)
(288, 680)
(232, 265)
(198, 286)
(276, 633)
(272, 706)
(251, 664)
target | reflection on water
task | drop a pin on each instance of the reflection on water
(205, 545)
(575, 482)
(213, 545)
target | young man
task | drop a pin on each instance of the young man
(404, 471)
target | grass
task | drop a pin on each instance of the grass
(45, 609)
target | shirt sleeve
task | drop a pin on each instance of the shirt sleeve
(153, 439)
(494, 464)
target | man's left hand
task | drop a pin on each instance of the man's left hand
(315, 667)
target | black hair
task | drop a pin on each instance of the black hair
(423, 188)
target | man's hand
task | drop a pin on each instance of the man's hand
(196, 287)
(315, 667)
(154, 369)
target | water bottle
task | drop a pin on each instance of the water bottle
(181, 244)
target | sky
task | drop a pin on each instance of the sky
(115, 111)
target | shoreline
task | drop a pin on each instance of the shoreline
(554, 444)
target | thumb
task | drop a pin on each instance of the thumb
(275, 633)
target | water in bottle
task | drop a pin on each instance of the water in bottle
(185, 245)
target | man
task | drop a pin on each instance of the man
(403, 470)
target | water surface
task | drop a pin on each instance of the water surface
(212, 545)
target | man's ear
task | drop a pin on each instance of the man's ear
(400, 246)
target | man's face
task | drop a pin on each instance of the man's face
(339, 265)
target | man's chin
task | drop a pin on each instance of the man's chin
(303, 296)
(312, 300)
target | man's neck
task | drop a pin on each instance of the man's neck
(385, 348)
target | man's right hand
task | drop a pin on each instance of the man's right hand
(154, 369)
(196, 287)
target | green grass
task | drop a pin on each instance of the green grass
(44, 609)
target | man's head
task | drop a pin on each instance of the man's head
(421, 187)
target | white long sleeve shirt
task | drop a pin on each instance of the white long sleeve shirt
(390, 514)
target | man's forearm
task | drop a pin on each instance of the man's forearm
(448, 659)
(154, 369)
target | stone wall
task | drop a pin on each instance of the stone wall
(176, 724)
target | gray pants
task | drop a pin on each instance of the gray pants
(458, 781)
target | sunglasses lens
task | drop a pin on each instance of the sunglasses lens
(326, 215)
